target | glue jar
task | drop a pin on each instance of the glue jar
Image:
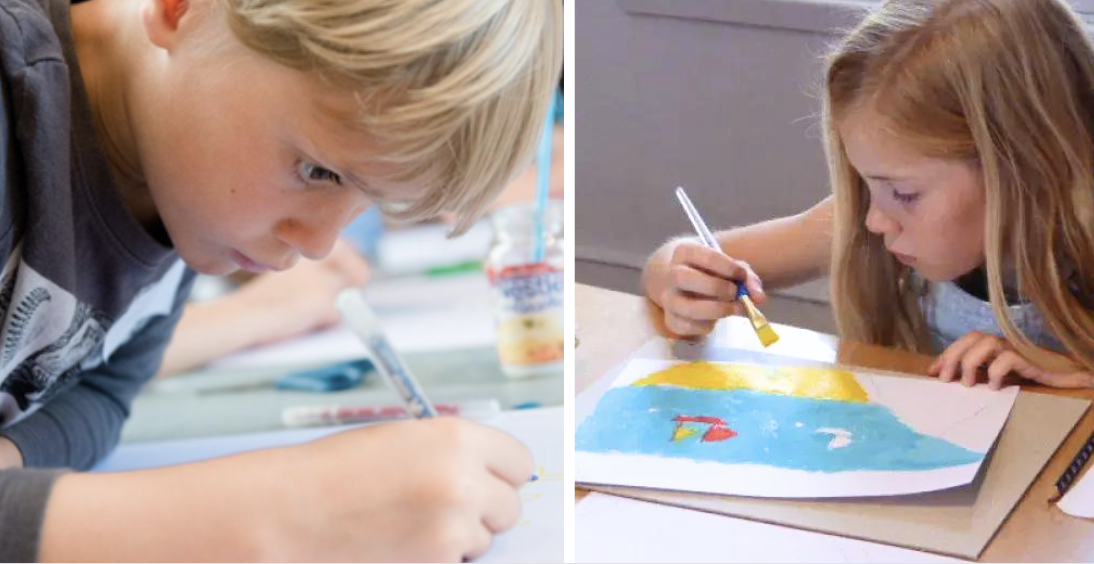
(527, 295)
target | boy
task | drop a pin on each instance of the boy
(238, 134)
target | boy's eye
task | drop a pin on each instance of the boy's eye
(311, 172)
(905, 197)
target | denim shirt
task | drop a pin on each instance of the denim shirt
(951, 312)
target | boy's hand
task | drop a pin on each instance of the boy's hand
(978, 351)
(425, 491)
(418, 491)
(700, 288)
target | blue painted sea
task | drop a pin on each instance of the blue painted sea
(784, 431)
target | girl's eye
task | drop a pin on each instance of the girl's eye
(905, 198)
(311, 172)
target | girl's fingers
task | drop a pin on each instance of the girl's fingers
(950, 359)
(702, 284)
(985, 350)
(754, 284)
(685, 327)
(1003, 365)
(698, 308)
(709, 260)
(1076, 379)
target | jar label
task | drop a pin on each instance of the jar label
(528, 308)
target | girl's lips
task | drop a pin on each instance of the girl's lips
(906, 259)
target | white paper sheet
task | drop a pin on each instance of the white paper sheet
(969, 419)
(418, 313)
(615, 529)
(1079, 500)
(537, 537)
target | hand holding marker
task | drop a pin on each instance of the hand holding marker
(388, 364)
(763, 329)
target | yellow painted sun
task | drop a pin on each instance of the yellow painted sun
(818, 383)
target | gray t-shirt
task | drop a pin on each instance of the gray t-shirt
(88, 298)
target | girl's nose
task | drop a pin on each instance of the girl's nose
(879, 222)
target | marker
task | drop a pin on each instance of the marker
(315, 415)
(388, 363)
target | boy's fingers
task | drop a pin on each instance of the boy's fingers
(506, 457)
(480, 541)
(501, 507)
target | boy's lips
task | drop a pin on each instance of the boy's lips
(246, 263)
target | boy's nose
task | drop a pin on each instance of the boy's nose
(879, 222)
(314, 241)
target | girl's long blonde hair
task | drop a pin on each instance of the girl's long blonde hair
(455, 92)
(1008, 85)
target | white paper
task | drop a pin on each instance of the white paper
(418, 314)
(736, 332)
(970, 418)
(1079, 499)
(615, 529)
(537, 537)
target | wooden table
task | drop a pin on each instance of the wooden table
(611, 325)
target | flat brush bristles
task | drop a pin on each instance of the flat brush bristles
(763, 329)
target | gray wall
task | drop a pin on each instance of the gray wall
(719, 96)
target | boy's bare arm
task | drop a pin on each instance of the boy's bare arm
(423, 491)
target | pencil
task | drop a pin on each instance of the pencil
(1073, 469)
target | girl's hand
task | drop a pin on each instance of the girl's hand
(700, 288)
(978, 351)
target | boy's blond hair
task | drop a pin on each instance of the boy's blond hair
(454, 92)
(1007, 85)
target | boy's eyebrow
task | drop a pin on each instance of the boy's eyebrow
(369, 190)
(362, 185)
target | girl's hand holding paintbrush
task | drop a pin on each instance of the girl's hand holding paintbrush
(697, 286)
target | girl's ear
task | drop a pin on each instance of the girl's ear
(161, 19)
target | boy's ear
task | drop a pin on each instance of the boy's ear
(161, 20)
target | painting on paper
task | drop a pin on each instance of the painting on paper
(772, 431)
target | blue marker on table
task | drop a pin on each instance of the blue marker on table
(388, 363)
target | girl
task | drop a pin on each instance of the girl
(960, 142)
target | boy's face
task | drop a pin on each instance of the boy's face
(243, 168)
(930, 211)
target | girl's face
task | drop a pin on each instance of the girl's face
(929, 211)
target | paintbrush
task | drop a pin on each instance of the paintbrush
(763, 329)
